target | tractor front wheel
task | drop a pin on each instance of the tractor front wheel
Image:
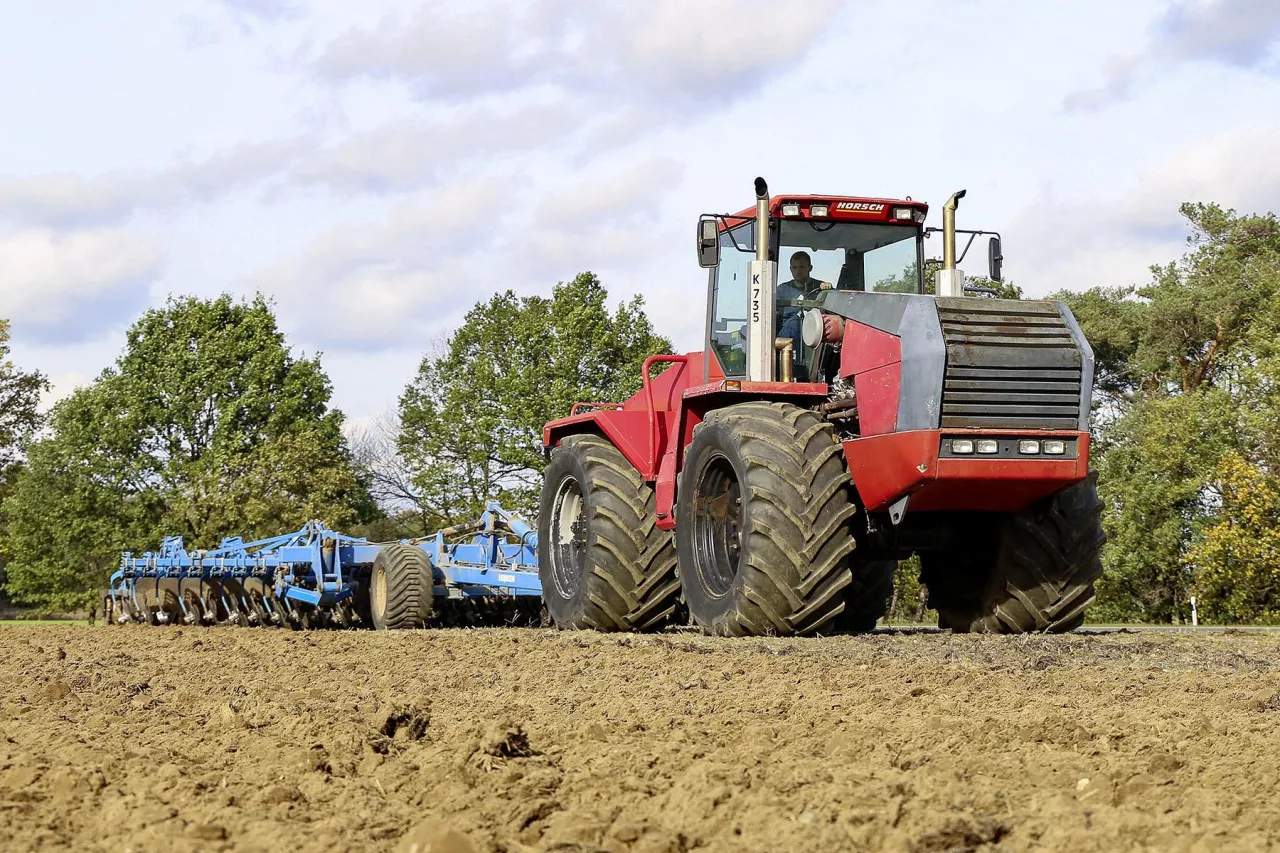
(762, 522)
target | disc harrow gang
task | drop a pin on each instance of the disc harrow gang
(481, 572)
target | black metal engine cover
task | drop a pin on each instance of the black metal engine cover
(981, 363)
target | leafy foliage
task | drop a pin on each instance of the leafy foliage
(207, 426)
(19, 398)
(1186, 406)
(471, 421)
(1238, 558)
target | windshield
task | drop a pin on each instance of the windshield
(812, 257)
(849, 256)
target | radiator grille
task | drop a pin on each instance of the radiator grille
(1010, 365)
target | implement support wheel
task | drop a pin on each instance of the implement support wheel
(400, 588)
(762, 523)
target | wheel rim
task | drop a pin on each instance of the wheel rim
(568, 538)
(717, 526)
(378, 594)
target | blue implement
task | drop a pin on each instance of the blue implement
(317, 576)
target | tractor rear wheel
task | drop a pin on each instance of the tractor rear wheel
(602, 560)
(1039, 577)
(400, 588)
(762, 522)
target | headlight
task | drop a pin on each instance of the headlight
(962, 445)
(902, 213)
(988, 445)
(1055, 448)
(1028, 446)
(791, 210)
(817, 210)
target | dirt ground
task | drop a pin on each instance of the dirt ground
(150, 739)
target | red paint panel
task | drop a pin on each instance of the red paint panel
(878, 398)
(874, 359)
(866, 348)
(856, 208)
(886, 467)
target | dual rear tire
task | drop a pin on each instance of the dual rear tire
(603, 561)
(1034, 572)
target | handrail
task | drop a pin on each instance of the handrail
(648, 400)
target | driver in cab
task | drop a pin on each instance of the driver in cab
(801, 286)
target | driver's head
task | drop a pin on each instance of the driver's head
(801, 266)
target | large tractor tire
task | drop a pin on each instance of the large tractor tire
(400, 588)
(603, 562)
(762, 522)
(1039, 573)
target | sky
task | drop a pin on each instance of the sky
(376, 169)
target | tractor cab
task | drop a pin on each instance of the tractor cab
(818, 244)
(814, 245)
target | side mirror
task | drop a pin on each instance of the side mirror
(995, 259)
(708, 242)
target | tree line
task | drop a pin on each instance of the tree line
(209, 425)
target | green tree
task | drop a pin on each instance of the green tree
(206, 426)
(19, 401)
(20, 392)
(1237, 561)
(1186, 374)
(471, 420)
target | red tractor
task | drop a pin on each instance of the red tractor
(835, 424)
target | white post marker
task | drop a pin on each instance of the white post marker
(761, 329)
(950, 283)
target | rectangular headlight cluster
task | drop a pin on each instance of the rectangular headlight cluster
(791, 210)
(1026, 446)
(818, 210)
(965, 446)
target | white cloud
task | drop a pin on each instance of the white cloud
(74, 284)
(1237, 33)
(407, 155)
(1114, 238)
(378, 284)
(73, 200)
(690, 54)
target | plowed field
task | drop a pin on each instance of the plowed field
(156, 739)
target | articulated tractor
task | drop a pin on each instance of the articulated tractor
(836, 423)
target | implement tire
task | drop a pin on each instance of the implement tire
(1042, 575)
(602, 560)
(400, 588)
(762, 522)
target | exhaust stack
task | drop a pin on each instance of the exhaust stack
(950, 281)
